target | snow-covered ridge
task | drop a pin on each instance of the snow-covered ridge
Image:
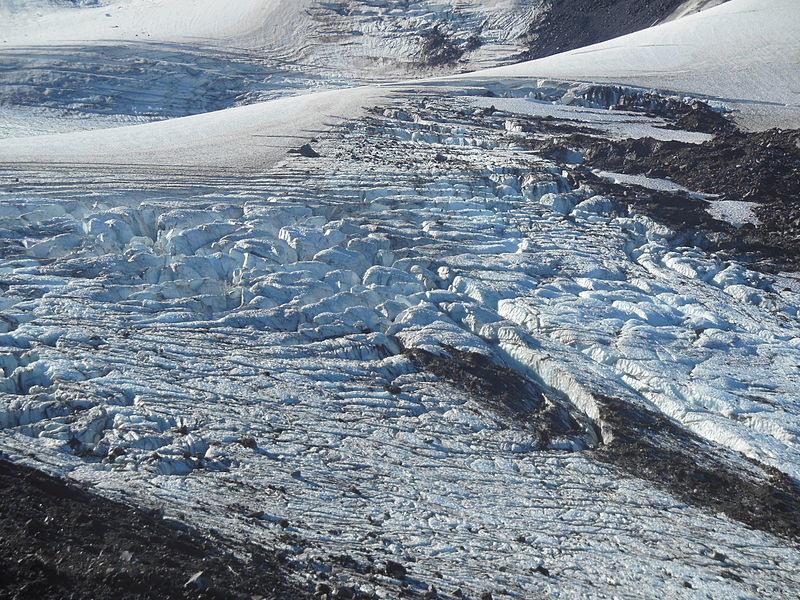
(244, 138)
(690, 7)
(744, 52)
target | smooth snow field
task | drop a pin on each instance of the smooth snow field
(292, 350)
(744, 52)
(239, 139)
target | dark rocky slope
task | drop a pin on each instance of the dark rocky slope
(763, 168)
(60, 541)
(573, 24)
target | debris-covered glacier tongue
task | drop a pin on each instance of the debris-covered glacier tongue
(429, 361)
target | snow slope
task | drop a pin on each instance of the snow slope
(135, 61)
(242, 138)
(724, 52)
(693, 6)
(70, 68)
(744, 52)
(159, 20)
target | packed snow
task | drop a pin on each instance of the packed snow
(744, 52)
(652, 183)
(736, 212)
(243, 138)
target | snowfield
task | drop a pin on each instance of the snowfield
(429, 335)
(743, 52)
(243, 138)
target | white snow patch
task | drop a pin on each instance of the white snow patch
(619, 124)
(735, 212)
(652, 183)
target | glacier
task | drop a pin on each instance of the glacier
(431, 345)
